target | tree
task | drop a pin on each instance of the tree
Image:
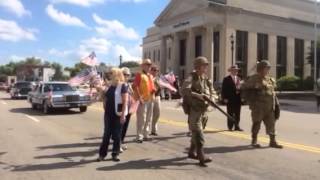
(312, 60)
(58, 76)
(130, 64)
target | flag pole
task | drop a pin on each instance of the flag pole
(315, 62)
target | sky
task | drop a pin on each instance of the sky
(65, 31)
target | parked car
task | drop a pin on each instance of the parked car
(3, 86)
(53, 95)
(20, 89)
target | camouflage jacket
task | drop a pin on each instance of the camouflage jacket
(200, 85)
(259, 91)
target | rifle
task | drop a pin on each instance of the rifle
(212, 103)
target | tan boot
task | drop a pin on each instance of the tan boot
(203, 160)
(273, 142)
(254, 142)
(191, 153)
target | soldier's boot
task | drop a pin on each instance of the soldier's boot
(191, 153)
(273, 142)
(254, 142)
(203, 160)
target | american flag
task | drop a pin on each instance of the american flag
(84, 76)
(165, 83)
(91, 60)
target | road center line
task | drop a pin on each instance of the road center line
(33, 118)
(244, 136)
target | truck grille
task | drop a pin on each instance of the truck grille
(72, 98)
(24, 91)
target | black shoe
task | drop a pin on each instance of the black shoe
(99, 159)
(230, 129)
(115, 158)
(139, 141)
(154, 134)
(238, 129)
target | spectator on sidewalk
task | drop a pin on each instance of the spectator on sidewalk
(116, 109)
(143, 87)
(126, 74)
(156, 101)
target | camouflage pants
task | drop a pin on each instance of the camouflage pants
(265, 115)
(197, 121)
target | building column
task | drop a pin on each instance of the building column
(272, 48)
(252, 53)
(163, 55)
(190, 51)
(209, 49)
(290, 55)
(228, 58)
(307, 65)
(175, 54)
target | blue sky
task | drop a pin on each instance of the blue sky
(66, 30)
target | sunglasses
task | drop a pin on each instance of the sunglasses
(126, 74)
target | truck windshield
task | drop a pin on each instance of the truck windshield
(23, 85)
(57, 87)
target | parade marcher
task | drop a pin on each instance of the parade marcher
(232, 98)
(126, 74)
(156, 101)
(193, 89)
(143, 87)
(259, 91)
(116, 109)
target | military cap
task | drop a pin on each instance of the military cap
(263, 64)
(199, 61)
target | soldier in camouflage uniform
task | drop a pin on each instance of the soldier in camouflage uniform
(259, 91)
(193, 89)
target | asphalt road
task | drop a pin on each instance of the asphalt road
(63, 145)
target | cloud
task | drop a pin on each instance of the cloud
(98, 45)
(11, 31)
(88, 3)
(128, 54)
(15, 6)
(114, 28)
(63, 18)
(59, 53)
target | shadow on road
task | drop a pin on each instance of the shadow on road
(31, 112)
(53, 166)
(73, 145)
(69, 155)
(228, 149)
(307, 107)
(148, 164)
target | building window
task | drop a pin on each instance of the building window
(262, 47)
(183, 52)
(298, 58)
(242, 52)
(198, 46)
(149, 57)
(169, 53)
(159, 56)
(281, 56)
(216, 55)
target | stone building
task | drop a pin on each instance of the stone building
(233, 31)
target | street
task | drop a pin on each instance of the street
(64, 144)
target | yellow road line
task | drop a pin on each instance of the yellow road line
(240, 135)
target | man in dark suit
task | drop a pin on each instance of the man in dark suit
(232, 98)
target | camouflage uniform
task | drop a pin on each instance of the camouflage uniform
(260, 94)
(194, 86)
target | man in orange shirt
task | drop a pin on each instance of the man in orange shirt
(144, 91)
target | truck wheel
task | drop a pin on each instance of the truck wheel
(83, 109)
(33, 105)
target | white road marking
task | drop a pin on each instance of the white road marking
(33, 118)
(3, 102)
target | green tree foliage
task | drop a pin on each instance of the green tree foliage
(130, 64)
